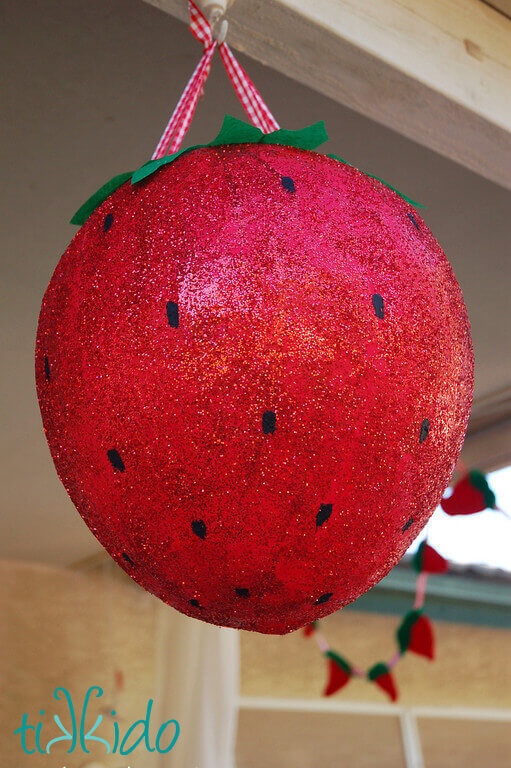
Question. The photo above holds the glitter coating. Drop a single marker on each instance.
(235, 373)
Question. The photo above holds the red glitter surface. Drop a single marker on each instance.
(215, 292)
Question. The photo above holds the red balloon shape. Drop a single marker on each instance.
(254, 391)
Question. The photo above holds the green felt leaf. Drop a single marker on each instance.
(480, 482)
(98, 197)
(405, 628)
(339, 660)
(306, 138)
(377, 670)
(234, 131)
(417, 558)
(148, 168)
(408, 199)
(152, 165)
(340, 159)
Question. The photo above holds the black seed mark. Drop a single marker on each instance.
(269, 422)
(408, 524)
(413, 220)
(128, 558)
(324, 513)
(324, 598)
(195, 603)
(46, 368)
(173, 314)
(288, 183)
(424, 430)
(115, 460)
(199, 528)
(242, 592)
(378, 305)
(109, 220)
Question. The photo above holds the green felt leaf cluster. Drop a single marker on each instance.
(233, 131)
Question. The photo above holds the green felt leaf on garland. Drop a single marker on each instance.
(339, 660)
(382, 676)
(150, 167)
(376, 670)
(417, 558)
(98, 197)
(405, 628)
(479, 481)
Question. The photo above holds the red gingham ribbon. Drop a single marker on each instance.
(253, 104)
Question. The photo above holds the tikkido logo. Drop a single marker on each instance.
(75, 734)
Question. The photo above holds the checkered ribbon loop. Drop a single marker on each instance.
(250, 98)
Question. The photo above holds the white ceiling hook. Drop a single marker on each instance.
(213, 10)
(222, 32)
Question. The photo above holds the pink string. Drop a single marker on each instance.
(420, 590)
(394, 660)
(321, 641)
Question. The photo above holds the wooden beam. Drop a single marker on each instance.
(438, 72)
(504, 6)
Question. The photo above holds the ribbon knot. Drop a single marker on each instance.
(251, 100)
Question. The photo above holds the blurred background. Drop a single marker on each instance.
(416, 93)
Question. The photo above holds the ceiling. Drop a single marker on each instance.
(86, 89)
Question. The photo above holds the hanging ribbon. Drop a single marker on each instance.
(250, 98)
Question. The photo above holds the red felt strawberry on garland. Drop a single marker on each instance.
(428, 560)
(309, 629)
(471, 494)
(381, 675)
(339, 673)
(415, 634)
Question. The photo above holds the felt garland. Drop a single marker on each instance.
(414, 634)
